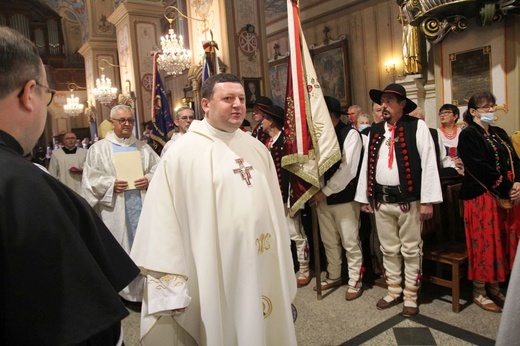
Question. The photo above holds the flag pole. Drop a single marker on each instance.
(316, 246)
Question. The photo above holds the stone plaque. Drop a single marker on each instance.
(470, 73)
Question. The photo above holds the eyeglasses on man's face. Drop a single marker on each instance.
(122, 121)
(185, 117)
(444, 113)
(48, 91)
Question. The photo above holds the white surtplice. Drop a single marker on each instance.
(213, 238)
(61, 163)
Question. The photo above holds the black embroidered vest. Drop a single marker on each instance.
(406, 155)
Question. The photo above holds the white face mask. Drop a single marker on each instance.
(487, 118)
(362, 127)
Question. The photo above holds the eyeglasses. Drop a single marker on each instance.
(122, 121)
(191, 117)
(488, 108)
(443, 113)
(48, 91)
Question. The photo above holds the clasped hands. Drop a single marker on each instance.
(140, 184)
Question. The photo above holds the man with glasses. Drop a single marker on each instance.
(183, 118)
(117, 201)
(67, 162)
(61, 268)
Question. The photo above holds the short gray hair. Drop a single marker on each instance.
(113, 111)
(183, 108)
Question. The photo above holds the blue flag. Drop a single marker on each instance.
(162, 119)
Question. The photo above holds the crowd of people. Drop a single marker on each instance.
(114, 223)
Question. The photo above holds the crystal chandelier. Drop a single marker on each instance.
(73, 108)
(104, 92)
(174, 58)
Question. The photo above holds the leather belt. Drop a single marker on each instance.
(389, 194)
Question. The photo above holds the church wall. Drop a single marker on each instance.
(373, 35)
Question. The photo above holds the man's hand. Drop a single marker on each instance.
(426, 211)
(366, 208)
(120, 186)
(141, 183)
(317, 198)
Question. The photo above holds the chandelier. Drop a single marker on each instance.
(73, 108)
(104, 92)
(174, 58)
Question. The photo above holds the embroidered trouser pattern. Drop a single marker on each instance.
(401, 242)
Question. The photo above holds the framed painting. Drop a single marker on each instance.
(331, 63)
(278, 80)
(253, 89)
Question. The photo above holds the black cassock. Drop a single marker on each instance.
(60, 267)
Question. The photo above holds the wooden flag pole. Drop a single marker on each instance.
(316, 241)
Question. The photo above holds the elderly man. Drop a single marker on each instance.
(66, 163)
(399, 182)
(118, 201)
(183, 118)
(61, 268)
(217, 273)
(353, 113)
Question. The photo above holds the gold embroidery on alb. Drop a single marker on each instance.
(263, 243)
(267, 306)
(164, 281)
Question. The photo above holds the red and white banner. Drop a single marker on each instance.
(311, 146)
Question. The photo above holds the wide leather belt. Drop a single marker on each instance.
(389, 194)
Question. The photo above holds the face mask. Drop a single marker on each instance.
(363, 126)
(487, 118)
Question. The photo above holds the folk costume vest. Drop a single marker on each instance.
(406, 154)
(349, 192)
(277, 149)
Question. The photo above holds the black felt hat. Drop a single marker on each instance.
(397, 89)
(333, 105)
(276, 112)
(263, 102)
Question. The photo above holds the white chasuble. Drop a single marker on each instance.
(214, 223)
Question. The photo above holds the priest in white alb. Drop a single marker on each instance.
(117, 200)
(212, 239)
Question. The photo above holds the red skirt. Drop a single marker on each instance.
(492, 238)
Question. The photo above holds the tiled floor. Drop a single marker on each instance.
(334, 321)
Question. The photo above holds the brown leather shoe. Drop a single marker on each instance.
(382, 304)
(328, 284)
(498, 300)
(409, 311)
(353, 295)
(486, 304)
(303, 280)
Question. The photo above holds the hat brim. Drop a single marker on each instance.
(375, 95)
(274, 116)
